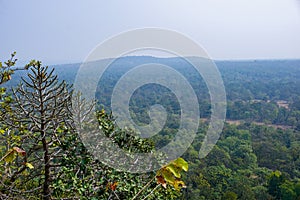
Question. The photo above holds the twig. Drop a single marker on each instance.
(151, 192)
(116, 195)
(139, 192)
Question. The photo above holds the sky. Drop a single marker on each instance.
(66, 31)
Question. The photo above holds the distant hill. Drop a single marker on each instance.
(276, 79)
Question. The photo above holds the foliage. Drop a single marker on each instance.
(6, 70)
(39, 110)
(171, 173)
(44, 156)
(256, 157)
(85, 177)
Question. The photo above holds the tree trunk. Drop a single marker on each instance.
(46, 189)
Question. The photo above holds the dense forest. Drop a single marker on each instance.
(256, 157)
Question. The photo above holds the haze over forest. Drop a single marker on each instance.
(60, 143)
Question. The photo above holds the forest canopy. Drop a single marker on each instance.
(256, 157)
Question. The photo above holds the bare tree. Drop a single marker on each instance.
(41, 106)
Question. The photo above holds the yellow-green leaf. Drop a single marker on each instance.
(170, 173)
(10, 156)
(178, 184)
(168, 176)
(175, 171)
(180, 162)
(30, 166)
(277, 173)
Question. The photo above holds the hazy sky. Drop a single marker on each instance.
(60, 31)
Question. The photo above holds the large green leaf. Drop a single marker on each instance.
(174, 169)
(180, 162)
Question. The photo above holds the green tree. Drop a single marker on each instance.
(287, 190)
(229, 196)
(276, 179)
